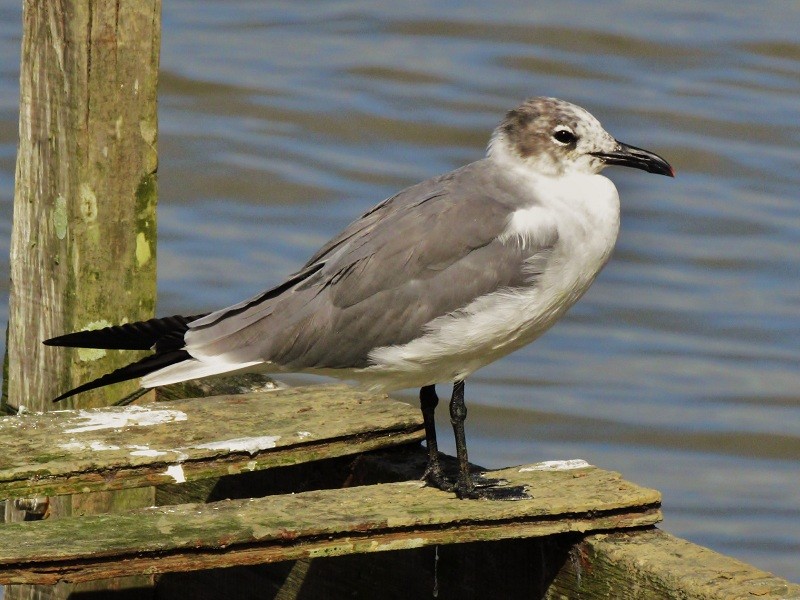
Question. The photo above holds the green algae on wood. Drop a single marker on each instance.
(318, 523)
(73, 451)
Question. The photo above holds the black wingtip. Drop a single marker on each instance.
(136, 369)
(61, 340)
(66, 395)
(142, 335)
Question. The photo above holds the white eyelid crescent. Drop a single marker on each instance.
(559, 129)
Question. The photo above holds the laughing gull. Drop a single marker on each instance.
(427, 287)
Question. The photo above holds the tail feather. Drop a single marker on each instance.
(164, 334)
(139, 368)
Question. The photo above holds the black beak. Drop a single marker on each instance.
(631, 156)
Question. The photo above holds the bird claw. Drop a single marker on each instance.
(480, 481)
(476, 487)
(434, 477)
(516, 492)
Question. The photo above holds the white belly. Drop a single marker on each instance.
(586, 214)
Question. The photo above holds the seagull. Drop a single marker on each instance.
(428, 286)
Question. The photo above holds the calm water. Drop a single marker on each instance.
(282, 121)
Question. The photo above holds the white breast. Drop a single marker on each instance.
(585, 211)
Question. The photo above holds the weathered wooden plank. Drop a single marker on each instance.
(654, 564)
(316, 524)
(219, 488)
(166, 442)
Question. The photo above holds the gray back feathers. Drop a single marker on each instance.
(424, 253)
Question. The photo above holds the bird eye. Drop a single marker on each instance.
(565, 136)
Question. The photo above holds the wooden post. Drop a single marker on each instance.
(84, 232)
(83, 243)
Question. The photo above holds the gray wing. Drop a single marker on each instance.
(424, 253)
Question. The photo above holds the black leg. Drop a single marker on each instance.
(428, 400)
(465, 485)
(465, 488)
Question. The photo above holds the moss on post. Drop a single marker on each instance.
(83, 242)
